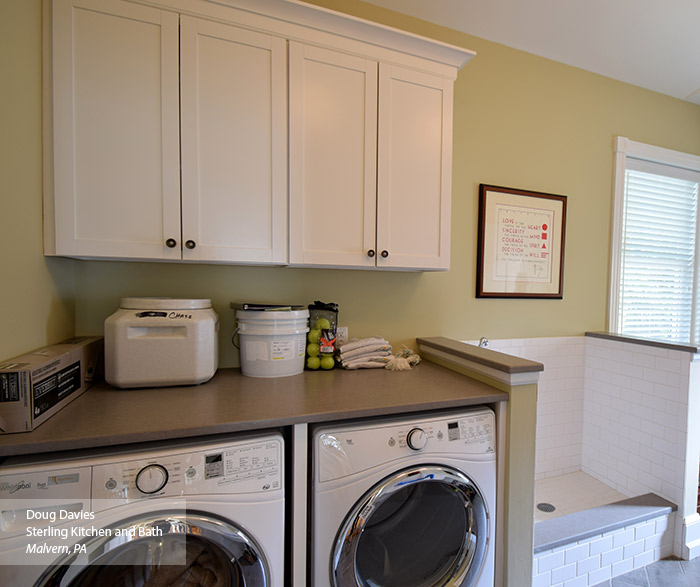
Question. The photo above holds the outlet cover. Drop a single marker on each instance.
(341, 335)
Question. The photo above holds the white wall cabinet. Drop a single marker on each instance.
(169, 136)
(332, 157)
(370, 163)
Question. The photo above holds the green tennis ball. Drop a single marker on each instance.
(327, 362)
(313, 363)
(322, 324)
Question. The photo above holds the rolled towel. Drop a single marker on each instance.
(362, 364)
(378, 358)
(356, 343)
(368, 349)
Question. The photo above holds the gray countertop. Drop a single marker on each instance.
(231, 402)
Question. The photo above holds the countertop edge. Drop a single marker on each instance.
(689, 348)
(254, 405)
(483, 356)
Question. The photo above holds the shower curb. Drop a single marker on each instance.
(550, 534)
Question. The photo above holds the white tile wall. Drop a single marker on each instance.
(560, 399)
(616, 410)
(596, 559)
(634, 421)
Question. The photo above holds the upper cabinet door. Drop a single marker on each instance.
(116, 129)
(234, 143)
(414, 169)
(333, 147)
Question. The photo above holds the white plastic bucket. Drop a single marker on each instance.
(272, 344)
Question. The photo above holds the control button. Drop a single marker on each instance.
(440, 435)
(392, 441)
(417, 439)
(151, 479)
(190, 473)
(111, 484)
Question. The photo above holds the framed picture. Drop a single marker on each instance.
(520, 253)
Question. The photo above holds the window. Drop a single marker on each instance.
(655, 256)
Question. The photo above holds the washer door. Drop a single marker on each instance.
(165, 548)
(423, 526)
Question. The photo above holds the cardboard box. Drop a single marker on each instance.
(33, 387)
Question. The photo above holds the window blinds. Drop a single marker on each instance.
(658, 292)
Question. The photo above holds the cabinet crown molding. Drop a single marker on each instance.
(323, 20)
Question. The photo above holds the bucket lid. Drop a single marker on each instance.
(271, 315)
(164, 304)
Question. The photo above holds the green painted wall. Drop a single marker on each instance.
(520, 121)
(37, 295)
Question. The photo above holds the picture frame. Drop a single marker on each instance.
(520, 249)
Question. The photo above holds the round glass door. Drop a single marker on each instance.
(421, 527)
(173, 549)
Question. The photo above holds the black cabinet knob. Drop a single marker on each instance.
(171, 243)
(190, 244)
(370, 253)
(385, 253)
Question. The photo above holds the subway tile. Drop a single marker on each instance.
(621, 567)
(543, 580)
(623, 538)
(577, 582)
(664, 446)
(561, 574)
(611, 556)
(599, 576)
(576, 553)
(643, 559)
(550, 561)
(655, 376)
(600, 545)
(653, 542)
(633, 549)
(588, 565)
(669, 364)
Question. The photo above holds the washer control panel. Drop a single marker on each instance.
(348, 449)
(221, 469)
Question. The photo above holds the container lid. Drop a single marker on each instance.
(164, 304)
(272, 315)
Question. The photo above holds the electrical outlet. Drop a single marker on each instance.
(341, 335)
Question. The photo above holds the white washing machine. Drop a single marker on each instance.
(405, 502)
(200, 513)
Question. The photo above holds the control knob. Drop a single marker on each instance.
(151, 479)
(416, 439)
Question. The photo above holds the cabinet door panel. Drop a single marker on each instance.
(233, 143)
(332, 157)
(116, 129)
(414, 168)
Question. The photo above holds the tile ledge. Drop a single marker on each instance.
(484, 356)
(690, 348)
(501, 368)
(585, 524)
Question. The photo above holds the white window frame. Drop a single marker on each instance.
(625, 149)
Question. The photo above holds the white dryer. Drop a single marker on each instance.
(197, 513)
(405, 502)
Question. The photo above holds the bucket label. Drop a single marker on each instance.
(283, 350)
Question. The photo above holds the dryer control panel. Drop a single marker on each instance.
(344, 450)
(234, 469)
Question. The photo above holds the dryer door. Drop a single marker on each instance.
(164, 548)
(424, 526)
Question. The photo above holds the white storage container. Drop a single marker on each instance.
(158, 342)
(272, 344)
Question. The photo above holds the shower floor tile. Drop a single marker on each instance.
(571, 493)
